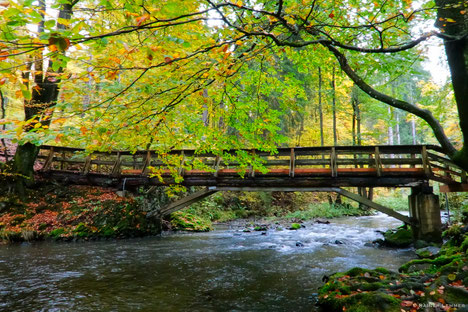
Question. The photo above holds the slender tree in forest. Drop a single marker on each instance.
(335, 134)
(320, 108)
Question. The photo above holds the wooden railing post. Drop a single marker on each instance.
(333, 165)
(61, 162)
(116, 167)
(251, 168)
(216, 166)
(50, 158)
(87, 165)
(181, 170)
(146, 164)
(292, 163)
(378, 162)
(425, 161)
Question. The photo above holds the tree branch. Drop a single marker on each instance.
(424, 114)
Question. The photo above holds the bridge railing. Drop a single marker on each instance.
(334, 161)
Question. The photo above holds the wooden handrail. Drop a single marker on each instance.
(333, 161)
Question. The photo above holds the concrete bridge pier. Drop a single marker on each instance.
(425, 213)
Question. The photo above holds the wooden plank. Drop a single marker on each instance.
(449, 188)
(442, 160)
(369, 203)
(272, 189)
(362, 149)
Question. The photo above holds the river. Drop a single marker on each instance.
(223, 270)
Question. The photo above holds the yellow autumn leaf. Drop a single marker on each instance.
(239, 3)
(59, 120)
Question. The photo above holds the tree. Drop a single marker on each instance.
(207, 56)
(384, 29)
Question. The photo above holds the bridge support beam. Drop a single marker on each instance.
(186, 201)
(338, 190)
(425, 211)
(363, 200)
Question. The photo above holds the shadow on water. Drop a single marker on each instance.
(223, 270)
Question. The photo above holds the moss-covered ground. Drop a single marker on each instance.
(436, 283)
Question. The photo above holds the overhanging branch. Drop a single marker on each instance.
(424, 114)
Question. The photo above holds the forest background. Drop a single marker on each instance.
(219, 75)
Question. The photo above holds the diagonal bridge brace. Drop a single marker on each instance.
(186, 201)
(197, 196)
(338, 190)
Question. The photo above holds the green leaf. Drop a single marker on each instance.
(49, 24)
(27, 94)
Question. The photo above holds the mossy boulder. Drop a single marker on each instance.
(295, 226)
(400, 238)
(427, 252)
(360, 302)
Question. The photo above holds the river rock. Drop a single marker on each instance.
(299, 244)
(295, 226)
(338, 242)
(322, 221)
(400, 238)
(428, 252)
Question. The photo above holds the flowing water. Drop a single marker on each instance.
(223, 270)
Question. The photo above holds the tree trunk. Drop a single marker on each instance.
(390, 127)
(335, 136)
(320, 106)
(397, 128)
(453, 21)
(23, 167)
(413, 131)
(44, 97)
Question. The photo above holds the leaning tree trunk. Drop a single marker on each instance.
(452, 19)
(43, 99)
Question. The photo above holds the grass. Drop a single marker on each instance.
(325, 210)
(395, 203)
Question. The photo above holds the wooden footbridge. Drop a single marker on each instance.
(299, 167)
(317, 169)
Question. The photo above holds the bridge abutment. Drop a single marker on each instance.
(425, 212)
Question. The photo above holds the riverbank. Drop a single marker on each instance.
(437, 281)
(70, 213)
(79, 212)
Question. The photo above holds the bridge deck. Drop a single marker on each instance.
(334, 166)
